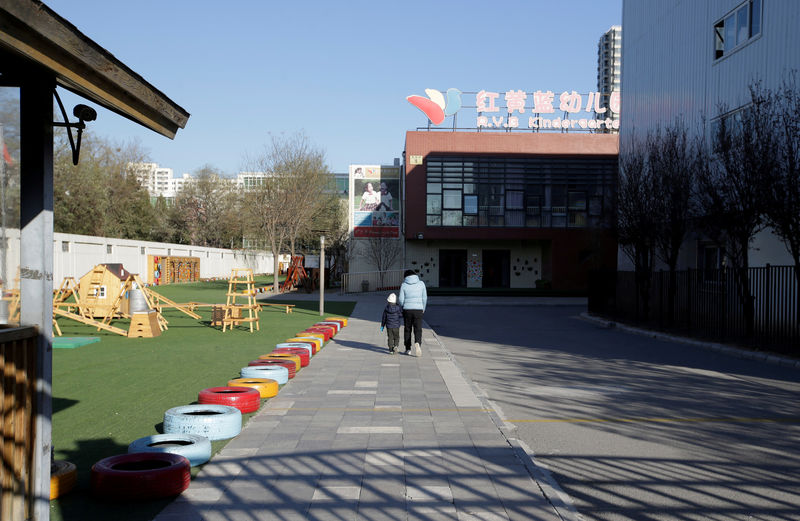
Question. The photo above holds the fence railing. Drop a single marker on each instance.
(367, 281)
(759, 307)
(18, 354)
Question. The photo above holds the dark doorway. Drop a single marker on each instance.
(452, 268)
(496, 268)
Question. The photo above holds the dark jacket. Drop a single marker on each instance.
(392, 316)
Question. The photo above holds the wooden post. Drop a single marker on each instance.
(36, 263)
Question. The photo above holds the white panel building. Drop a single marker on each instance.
(609, 65)
(686, 59)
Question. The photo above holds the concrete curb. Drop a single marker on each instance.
(560, 501)
(712, 346)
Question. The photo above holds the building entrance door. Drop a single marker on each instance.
(452, 268)
(496, 268)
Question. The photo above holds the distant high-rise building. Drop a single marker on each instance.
(609, 67)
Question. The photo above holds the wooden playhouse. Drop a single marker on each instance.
(100, 288)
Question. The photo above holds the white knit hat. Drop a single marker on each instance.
(392, 298)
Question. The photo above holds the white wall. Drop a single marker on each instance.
(83, 252)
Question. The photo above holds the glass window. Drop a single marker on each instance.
(515, 218)
(577, 219)
(434, 204)
(755, 17)
(577, 200)
(434, 220)
(452, 199)
(471, 204)
(434, 188)
(730, 33)
(514, 200)
(451, 218)
(470, 220)
(742, 32)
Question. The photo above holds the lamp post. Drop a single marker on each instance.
(321, 275)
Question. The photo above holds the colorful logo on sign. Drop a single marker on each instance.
(435, 106)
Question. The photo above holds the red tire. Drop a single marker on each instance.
(325, 332)
(305, 358)
(333, 328)
(288, 364)
(243, 398)
(140, 475)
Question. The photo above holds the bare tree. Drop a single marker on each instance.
(731, 188)
(783, 196)
(283, 204)
(204, 210)
(672, 163)
(382, 252)
(636, 216)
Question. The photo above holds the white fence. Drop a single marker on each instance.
(371, 281)
(75, 255)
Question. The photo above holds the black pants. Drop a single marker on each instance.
(412, 320)
(394, 337)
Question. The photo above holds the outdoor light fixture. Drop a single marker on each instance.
(420, 236)
(83, 113)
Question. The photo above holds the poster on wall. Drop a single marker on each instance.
(376, 200)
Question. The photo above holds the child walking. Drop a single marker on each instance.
(391, 320)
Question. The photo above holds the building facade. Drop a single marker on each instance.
(694, 62)
(506, 210)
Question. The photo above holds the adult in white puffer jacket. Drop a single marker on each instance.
(413, 298)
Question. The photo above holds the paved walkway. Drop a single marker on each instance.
(360, 434)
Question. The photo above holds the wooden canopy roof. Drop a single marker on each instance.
(36, 32)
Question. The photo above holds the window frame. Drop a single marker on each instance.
(721, 28)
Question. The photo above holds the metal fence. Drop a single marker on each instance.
(367, 281)
(758, 307)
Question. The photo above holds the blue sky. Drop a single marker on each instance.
(339, 71)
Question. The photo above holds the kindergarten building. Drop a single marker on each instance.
(509, 210)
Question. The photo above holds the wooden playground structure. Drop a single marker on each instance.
(92, 302)
(108, 292)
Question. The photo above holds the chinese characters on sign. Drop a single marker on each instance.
(544, 102)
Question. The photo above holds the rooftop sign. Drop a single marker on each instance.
(578, 111)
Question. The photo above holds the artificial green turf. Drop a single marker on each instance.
(107, 394)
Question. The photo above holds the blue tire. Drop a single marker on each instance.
(197, 449)
(274, 372)
(338, 325)
(215, 422)
(298, 344)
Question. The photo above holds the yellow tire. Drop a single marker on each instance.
(266, 387)
(344, 320)
(293, 358)
(317, 335)
(63, 477)
(314, 340)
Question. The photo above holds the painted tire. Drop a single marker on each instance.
(333, 327)
(246, 400)
(287, 356)
(142, 475)
(342, 321)
(63, 477)
(326, 331)
(337, 325)
(302, 343)
(194, 448)
(313, 334)
(312, 339)
(273, 372)
(297, 345)
(305, 359)
(275, 360)
(215, 422)
(266, 387)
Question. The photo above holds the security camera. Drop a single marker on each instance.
(84, 113)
